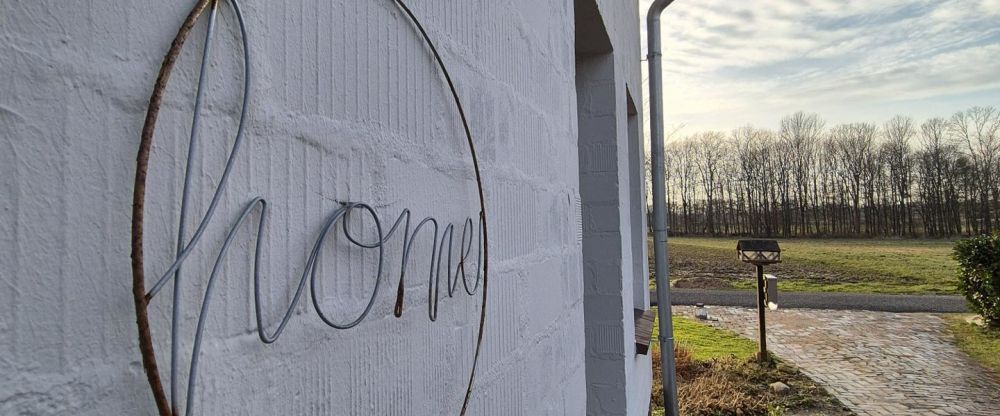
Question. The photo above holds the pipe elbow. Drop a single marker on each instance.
(656, 8)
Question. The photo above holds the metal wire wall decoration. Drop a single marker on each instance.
(473, 231)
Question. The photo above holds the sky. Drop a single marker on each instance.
(731, 63)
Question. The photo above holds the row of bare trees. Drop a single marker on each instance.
(939, 178)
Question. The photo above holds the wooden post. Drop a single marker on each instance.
(761, 306)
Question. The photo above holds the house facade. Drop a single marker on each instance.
(376, 207)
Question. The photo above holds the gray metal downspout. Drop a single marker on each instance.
(660, 206)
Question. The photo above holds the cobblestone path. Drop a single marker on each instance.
(876, 363)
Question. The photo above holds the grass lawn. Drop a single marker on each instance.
(981, 344)
(707, 342)
(826, 265)
(718, 375)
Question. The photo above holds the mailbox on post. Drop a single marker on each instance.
(760, 253)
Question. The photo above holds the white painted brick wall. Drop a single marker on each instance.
(346, 106)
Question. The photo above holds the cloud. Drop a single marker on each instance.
(729, 63)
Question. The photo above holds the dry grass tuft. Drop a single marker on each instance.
(709, 388)
(732, 386)
(718, 392)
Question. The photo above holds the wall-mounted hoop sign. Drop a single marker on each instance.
(443, 236)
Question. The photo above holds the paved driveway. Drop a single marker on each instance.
(818, 300)
(876, 363)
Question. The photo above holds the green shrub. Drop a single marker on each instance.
(979, 275)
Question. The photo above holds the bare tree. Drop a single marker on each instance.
(898, 156)
(708, 157)
(855, 150)
(800, 133)
(752, 160)
(686, 176)
(936, 171)
(977, 129)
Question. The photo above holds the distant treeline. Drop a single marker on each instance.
(937, 179)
